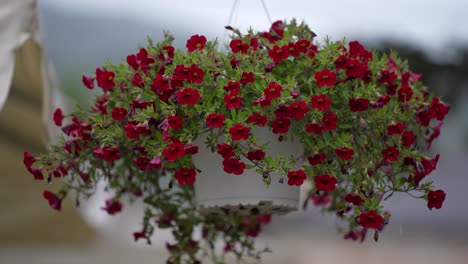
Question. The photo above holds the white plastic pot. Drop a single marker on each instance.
(219, 192)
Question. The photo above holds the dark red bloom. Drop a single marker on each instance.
(341, 62)
(329, 122)
(196, 74)
(381, 101)
(257, 119)
(435, 134)
(313, 128)
(257, 154)
(358, 104)
(88, 82)
(233, 166)
(175, 122)
(112, 207)
(141, 163)
(254, 44)
(215, 120)
(37, 174)
(423, 117)
(182, 72)
(196, 42)
(137, 81)
(354, 199)
(54, 201)
(105, 79)
(232, 86)
(232, 100)
(191, 150)
(280, 125)
(119, 113)
(408, 138)
(28, 160)
(320, 102)
(247, 77)
(396, 129)
(239, 132)
(234, 62)
(237, 46)
(429, 164)
(174, 151)
(317, 159)
(390, 154)
(282, 111)
(387, 77)
(292, 50)
(154, 164)
(371, 219)
(435, 199)
(279, 53)
(273, 91)
(296, 177)
(108, 154)
(405, 94)
(356, 69)
(264, 219)
(320, 200)
(437, 109)
(325, 182)
(356, 50)
(188, 96)
(225, 150)
(297, 110)
(58, 117)
(325, 78)
(302, 45)
(344, 153)
(262, 101)
(185, 176)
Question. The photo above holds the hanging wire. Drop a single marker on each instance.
(266, 12)
(234, 7)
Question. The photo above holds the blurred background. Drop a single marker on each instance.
(79, 36)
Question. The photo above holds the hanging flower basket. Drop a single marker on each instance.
(237, 133)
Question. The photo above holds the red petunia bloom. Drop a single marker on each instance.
(280, 125)
(215, 120)
(239, 132)
(225, 150)
(429, 164)
(257, 119)
(185, 176)
(254, 44)
(257, 154)
(358, 104)
(88, 82)
(28, 160)
(356, 50)
(175, 122)
(174, 151)
(282, 111)
(196, 74)
(371, 219)
(296, 177)
(234, 62)
(317, 159)
(188, 96)
(344, 153)
(279, 53)
(262, 101)
(387, 77)
(325, 182)
(354, 199)
(329, 122)
(435, 199)
(191, 150)
(196, 42)
(119, 113)
(320, 102)
(37, 174)
(396, 129)
(108, 154)
(423, 117)
(313, 128)
(232, 101)
(292, 50)
(405, 94)
(105, 79)
(437, 109)
(302, 45)
(112, 207)
(325, 78)
(58, 117)
(247, 77)
(356, 69)
(382, 101)
(273, 91)
(390, 154)
(137, 81)
(233, 166)
(341, 62)
(237, 46)
(297, 110)
(408, 138)
(141, 163)
(54, 201)
(232, 86)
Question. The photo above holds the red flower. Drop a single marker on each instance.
(317, 159)
(232, 86)
(273, 91)
(237, 46)
(185, 176)
(58, 117)
(257, 154)
(329, 122)
(371, 219)
(356, 50)
(280, 125)
(119, 113)
(381, 101)
(196, 42)
(191, 150)
(28, 160)
(264, 219)
(105, 79)
(232, 101)
(437, 109)
(141, 163)
(188, 96)
(302, 45)
(257, 119)
(137, 81)
(234, 62)
(239, 132)
(279, 53)
(341, 62)
(395, 129)
(325, 78)
(429, 164)
(88, 82)
(354, 199)
(292, 50)
(225, 150)
(154, 164)
(320, 200)
(408, 138)
(313, 128)
(215, 120)
(358, 104)
(356, 69)
(174, 151)
(320, 102)
(390, 154)
(296, 177)
(297, 110)
(196, 74)
(435, 199)
(247, 77)
(405, 94)
(233, 166)
(423, 117)
(344, 153)
(108, 154)
(54, 201)
(281, 111)
(175, 122)
(112, 207)
(262, 101)
(325, 182)
(37, 174)
(387, 77)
